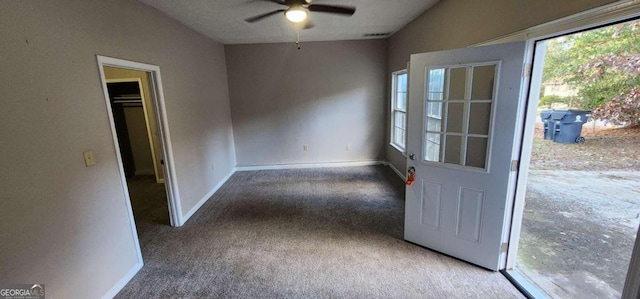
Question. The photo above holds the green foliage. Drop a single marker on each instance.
(623, 108)
(573, 59)
(550, 99)
(595, 94)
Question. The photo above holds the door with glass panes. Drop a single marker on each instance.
(463, 107)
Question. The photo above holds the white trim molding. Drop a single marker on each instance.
(398, 172)
(394, 109)
(165, 141)
(525, 139)
(157, 97)
(206, 197)
(123, 281)
(611, 13)
(309, 165)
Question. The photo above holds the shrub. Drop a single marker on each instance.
(621, 110)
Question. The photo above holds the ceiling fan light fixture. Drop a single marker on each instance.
(296, 13)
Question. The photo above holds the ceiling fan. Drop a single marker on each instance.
(297, 11)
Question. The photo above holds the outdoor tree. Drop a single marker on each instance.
(602, 65)
(625, 107)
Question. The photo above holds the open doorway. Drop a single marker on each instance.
(135, 104)
(581, 210)
(135, 126)
(139, 148)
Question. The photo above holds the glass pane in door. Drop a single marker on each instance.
(483, 80)
(458, 107)
(476, 152)
(455, 117)
(479, 118)
(457, 83)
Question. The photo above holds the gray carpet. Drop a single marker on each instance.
(304, 233)
(149, 204)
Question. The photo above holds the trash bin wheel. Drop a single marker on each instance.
(580, 139)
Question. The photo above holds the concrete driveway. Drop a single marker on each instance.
(578, 231)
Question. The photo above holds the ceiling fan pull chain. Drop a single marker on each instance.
(298, 39)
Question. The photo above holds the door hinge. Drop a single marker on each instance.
(515, 164)
(527, 70)
(504, 247)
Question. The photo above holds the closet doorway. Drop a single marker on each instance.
(135, 103)
(136, 130)
(135, 125)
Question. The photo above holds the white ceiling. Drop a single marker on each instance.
(223, 20)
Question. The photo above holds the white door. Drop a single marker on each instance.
(463, 108)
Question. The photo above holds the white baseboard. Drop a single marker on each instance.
(309, 165)
(123, 281)
(400, 174)
(204, 199)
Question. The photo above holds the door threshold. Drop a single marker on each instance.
(524, 285)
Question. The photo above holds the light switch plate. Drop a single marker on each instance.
(89, 160)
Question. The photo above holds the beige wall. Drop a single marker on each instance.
(64, 224)
(327, 95)
(120, 73)
(454, 24)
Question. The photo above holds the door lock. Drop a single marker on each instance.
(412, 156)
(412, 176)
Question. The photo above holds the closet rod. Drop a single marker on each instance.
(126, 101)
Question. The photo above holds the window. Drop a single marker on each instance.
(459, 101)
(399, 110)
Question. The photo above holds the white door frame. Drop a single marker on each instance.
(616, 12)
(601, 16)
(145, 110)
(157, 97)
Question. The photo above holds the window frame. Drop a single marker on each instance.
(394, 98)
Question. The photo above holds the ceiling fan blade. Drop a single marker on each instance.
(264, 15)
(343, 10)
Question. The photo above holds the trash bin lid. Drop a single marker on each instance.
(576, 111)
(544, 114)
(560, 114)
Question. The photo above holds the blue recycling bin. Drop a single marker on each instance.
(545, 115)
(564, 126)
